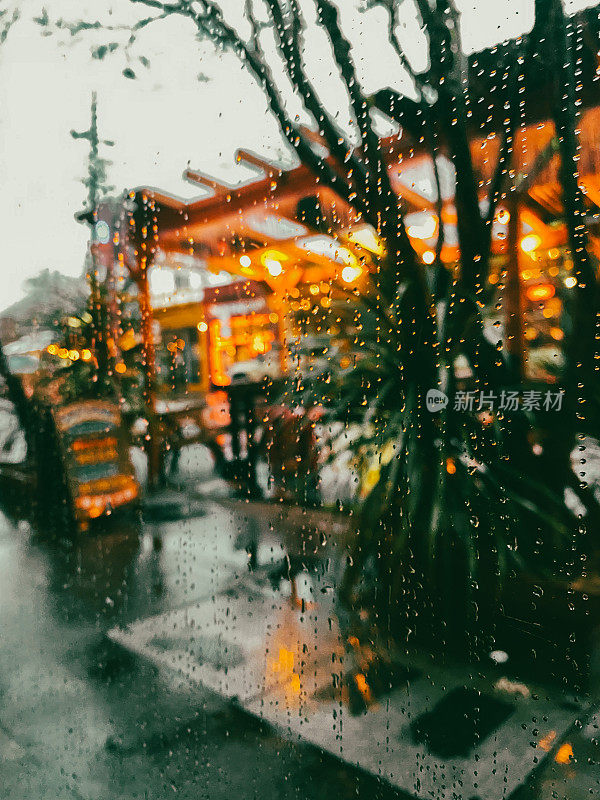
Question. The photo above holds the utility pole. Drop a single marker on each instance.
(95, 182)
(139, 231)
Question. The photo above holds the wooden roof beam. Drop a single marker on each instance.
(591, 189)
(193, 176)
(247, 157)
(313, 136)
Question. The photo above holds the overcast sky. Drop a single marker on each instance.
(191, 106)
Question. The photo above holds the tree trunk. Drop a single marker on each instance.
(514, 311)
(154, 442)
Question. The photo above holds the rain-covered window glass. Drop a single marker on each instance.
(300, 399)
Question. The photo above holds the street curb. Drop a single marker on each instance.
(294, 513)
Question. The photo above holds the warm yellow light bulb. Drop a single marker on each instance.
(351, 274)
(530, 243)
(274, 267)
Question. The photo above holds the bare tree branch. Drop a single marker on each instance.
(502, 165)
(211, 23)
(399, 50)
(6, 22)
(253, 26)
(439, 203)
(581, 348)
(290, 43)
(169, 8)
(329, 18)
(381, 200)
(430, 135)
(446, 76)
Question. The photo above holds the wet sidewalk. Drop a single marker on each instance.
(293, 667)
(82, 718)
(145, 662)
(284, 660)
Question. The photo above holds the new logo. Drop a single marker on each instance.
(435, 400)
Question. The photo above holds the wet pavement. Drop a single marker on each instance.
(83, 717)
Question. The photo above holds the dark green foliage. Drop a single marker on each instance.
(460, 499)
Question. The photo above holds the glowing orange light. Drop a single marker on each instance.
(530, 243)
(215, 355)
(351, 274)
(564, 754)
(285, 662)
(258, 343)
(366, 237)
(63, 352)
(120, 367)
(429, 256)
(540, 291)
(86, 355)
(90, 444)
(202, 327)
(362, 686)
(98, 456)
(557, 334)
(272, 261)
(73, 355)
(274, 267)
(52, 349)
(450, 466)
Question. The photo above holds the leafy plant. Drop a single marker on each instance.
(458, 499)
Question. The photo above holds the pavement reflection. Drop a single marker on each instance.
(82, 716)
